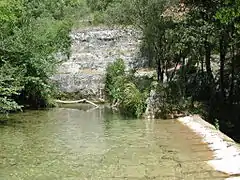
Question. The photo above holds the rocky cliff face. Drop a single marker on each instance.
(91, 51)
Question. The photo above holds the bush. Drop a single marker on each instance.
(10, 85)
(115, 79)
(133, 102)
(122, 92)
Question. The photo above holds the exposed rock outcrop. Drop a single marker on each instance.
(91, 51)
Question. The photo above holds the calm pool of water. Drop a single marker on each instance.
(75, 143)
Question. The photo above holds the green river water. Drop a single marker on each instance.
(77, 143)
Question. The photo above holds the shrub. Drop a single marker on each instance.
(115, 79)
(133, 102)
(122, 92)
(10, 85)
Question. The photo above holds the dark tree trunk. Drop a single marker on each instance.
(232, 76)
(184, 78)
(175, 68)
(233, 59)
(202, 69)
(222, 64)
(210, 78)
(208, 61)
(159, 69)
(159, 63)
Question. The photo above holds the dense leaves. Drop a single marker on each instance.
(122, 91)
(10, 84)
(201, 37)
(34, 37)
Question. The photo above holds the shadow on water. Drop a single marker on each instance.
(19, 119)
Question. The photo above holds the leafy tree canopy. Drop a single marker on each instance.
(32, 35)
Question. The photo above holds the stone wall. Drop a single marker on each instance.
(92, 49)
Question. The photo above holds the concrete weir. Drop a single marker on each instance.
(226, 151)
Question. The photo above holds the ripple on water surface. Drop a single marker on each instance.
(75, 144)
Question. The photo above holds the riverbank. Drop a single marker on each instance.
(226, 151)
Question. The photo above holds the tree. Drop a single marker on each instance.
(32, 33)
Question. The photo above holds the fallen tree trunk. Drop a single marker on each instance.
(77, 101)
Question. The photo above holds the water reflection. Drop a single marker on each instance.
(77, 142)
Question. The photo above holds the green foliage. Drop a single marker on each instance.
(10, 85)
(229, 14)
(122, 92)
(170, 99)
(115, 79)
(133, 101)
(32, 35)
(203, 37)
(98, 5)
